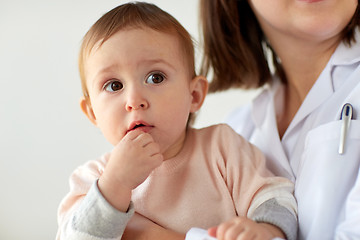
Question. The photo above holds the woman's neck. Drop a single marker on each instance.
(303, 62)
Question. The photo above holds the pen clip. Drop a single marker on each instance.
(346, 116)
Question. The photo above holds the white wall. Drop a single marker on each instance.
(43, 134)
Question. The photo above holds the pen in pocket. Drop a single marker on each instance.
(346, 116)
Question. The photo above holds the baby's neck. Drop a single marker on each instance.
(176, 147)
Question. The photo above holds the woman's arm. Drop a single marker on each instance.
(141, 228)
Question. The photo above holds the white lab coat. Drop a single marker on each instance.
(327, 184)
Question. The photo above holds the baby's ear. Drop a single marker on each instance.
(199, 88)
(85, 106)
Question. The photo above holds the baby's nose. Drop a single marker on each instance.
(136, 104)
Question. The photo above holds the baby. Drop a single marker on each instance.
(140, 89)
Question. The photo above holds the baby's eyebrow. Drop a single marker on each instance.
(161, 61)
(105, 69)
(100, 72)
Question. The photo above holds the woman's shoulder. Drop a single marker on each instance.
(240, 120)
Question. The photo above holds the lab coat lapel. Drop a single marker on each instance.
(319, 93)
(263, 137)
(324, 101)
(325, 86)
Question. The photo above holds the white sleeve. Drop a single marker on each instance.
(240, 120)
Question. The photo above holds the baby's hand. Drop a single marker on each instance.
(134, 158)
(130, 163)
(242, 228)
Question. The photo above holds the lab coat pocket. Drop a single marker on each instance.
(325, 177)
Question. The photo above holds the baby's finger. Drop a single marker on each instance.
(235, 232)
(143, 139)
(139, 138)
(151, 148)
(212, 231)
(157, 159)
(132, 135)
(245, 235)
(222, 229)
(155, 156)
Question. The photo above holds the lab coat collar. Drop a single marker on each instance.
(324, 86)
(319, 93)
(267, 104)
(344, 55)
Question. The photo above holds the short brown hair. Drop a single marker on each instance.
(234, 45)
(134, 15)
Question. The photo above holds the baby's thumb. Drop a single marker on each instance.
(212, 231)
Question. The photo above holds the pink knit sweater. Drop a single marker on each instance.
(216, 176)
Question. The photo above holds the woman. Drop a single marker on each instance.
(314, 47)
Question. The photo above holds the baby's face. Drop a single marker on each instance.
(138, 79)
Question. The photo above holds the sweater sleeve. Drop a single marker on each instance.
(85, 214)
(274, 203)
(257, 193)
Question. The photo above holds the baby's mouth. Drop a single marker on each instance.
(140, 126)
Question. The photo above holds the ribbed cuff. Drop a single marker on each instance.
(99, 218)
(273, 213)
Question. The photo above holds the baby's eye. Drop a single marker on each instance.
(155, 78)
(113, 86)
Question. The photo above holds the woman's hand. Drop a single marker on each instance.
(141, 228)
(242, 228)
